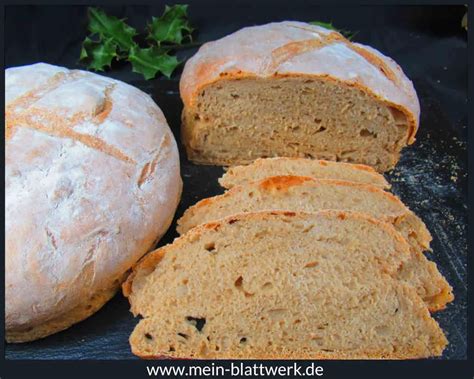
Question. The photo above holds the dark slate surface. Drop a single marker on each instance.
(431, 177)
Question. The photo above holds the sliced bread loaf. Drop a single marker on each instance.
(281, 285)
(291, 89)
(319, 169)
(296, 193)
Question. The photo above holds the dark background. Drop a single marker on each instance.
(431, 178)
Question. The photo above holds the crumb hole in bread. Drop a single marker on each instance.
(197, 322)
(172, 348)
(321, 129)
(148, 336)
(267, 285)
(210, 246)
(185, 336)
(232, 221)
(234, 96)
(308, 229)
(243, 340)
(367, 133)
(311, 264)
(297, 321)
(238, 282)
(398, 116)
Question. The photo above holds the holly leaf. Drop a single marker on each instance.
(173, 25)
(328, 25)
(110, 27)
(98, 54)
(152, 60)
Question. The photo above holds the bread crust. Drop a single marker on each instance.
(92, 181)
(65, 320)
(292, 48)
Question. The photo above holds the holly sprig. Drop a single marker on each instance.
(328, 25)
(112, 39)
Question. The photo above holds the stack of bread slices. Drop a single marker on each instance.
(297, 259)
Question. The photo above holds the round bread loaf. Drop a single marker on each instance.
(92, 182)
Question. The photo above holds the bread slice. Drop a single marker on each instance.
(296, 193)
(281, 285)
(319, 169)
(309, 194)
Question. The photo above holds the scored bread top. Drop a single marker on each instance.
(297, 48)
(92, 180)
(318, 169)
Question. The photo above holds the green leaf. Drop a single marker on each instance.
(98, 54)
(173, 25)
(111, 27)
(152, 60)
(328, 25)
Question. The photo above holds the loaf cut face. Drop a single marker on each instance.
(296, 193)
(318, 169)
(295, 90)
(281, 285)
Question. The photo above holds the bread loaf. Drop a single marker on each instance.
(296, 90)
(281, 285)
(318, 169)
(92, 182)
(295, 193)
